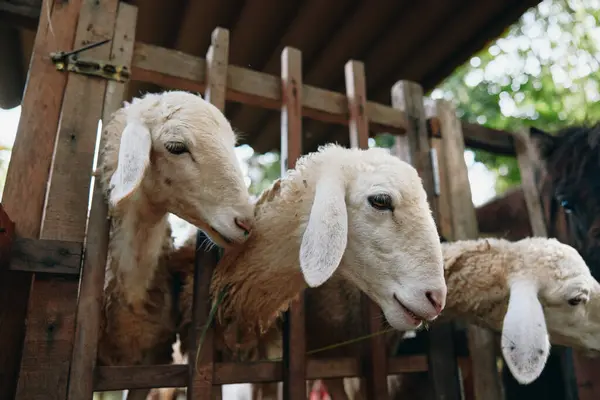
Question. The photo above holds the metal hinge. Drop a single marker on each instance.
(436, 171)
(70, 61)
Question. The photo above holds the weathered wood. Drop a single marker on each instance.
(89, 306)
(217, 60)
(443, 369)
(30, 162)
(200, 368)
(147, 376)
(176, 69)
(464, 226)
(356, 91)
(7, 231)
(294, 328)
(46, 357)
(373, 360)
(171, 68)
(46, 256)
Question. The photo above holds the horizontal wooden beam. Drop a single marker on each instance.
(20, 14)
(46, 256)
(140, 377)
(173, 69)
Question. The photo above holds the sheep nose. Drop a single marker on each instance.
(244, 225)
(436, 298)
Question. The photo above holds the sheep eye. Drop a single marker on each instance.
(575, 301)
(381, 202)
(176, 147)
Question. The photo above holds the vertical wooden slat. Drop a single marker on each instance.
(202, 375)
(52, 306)
(482, 348)
(30, 162)
(83, 362)
(294, 343)
(374, 358)
(443, 368)
(201, 366)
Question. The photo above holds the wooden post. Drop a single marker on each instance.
(201, 376)
(52, 306)
(482, 349)
(374, 357)
(294, 328)
(30, 162)
(89, 307)
(443, 368)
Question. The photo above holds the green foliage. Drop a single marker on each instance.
(544, 71)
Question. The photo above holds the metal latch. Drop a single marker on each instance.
(70, 61)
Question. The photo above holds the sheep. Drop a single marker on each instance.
(533, 291)
(164, 153)
(340, 210)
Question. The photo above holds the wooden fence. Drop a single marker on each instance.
(48, 186)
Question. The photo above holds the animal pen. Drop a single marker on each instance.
(62, 261)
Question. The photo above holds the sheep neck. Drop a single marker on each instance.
(139, 230)
(479, 269)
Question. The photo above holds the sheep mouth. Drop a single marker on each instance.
(221, 236)
(416, 318)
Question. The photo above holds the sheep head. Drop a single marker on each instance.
(371, 217)
(175, 151)
(553, 296)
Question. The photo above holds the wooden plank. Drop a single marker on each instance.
(89, 306)
(30, 162)
(49, 338)
(148, 376)
(294, 328)
(373, 359)
(443, 368)
(216, 68)
(179, 70)
(354, 72)
(171, 68)
(46, 256)
(7, 231)
(482, 348)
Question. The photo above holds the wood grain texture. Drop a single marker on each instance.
(89, 305)
(294, 326)
(443, 368)
(30, 162)
(46, 256)
(482, 348)
(148, 376)
(49, 338)
(356, 91)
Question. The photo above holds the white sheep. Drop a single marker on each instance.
(360, 213)
(164, 153)
(534, 291)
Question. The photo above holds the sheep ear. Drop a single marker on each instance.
(525, 343)
(326, 234)
(134, 158)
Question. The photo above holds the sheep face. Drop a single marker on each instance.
(562, 300)
(180, 149)
(370, 212)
